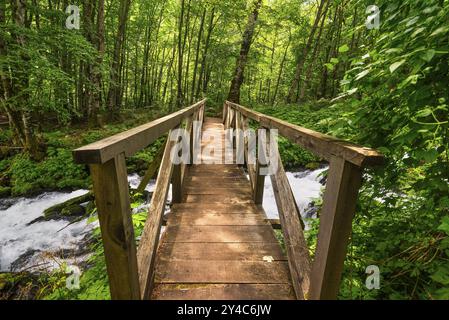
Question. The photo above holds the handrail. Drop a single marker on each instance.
(130, 269)
(346, 161)
(132, 140)
(323, 145)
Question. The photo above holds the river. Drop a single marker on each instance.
(46, 245)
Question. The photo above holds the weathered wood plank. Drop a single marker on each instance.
(336, 216)
(259, 185)
(146, 252)
(217, 170)
(217, 180)
(211, 198)
(217, 208)
(250, 165)
(114, 213)
(199, 291)
(235, 191)
(177, 178)
(220, 234)
(216, 219)
(318, 143)
(220, 251)
(133, 140)
(295, 243)
(224, 271)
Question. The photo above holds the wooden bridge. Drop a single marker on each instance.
(218, 243)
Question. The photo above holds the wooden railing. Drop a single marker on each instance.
(319, 279)
(131, 269)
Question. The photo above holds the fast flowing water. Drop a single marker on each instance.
(39, 243)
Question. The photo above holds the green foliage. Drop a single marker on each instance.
(57, 171)
(311, 116)
(398, 103)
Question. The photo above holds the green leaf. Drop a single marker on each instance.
(343, 48)
(428, 55)
(334, 61)
(329, 66)
(362, 74)
(430, 155)
(413, 79)
(444, 226)
(396, 65)
(424, 113)
(439, 31)
(444, 203)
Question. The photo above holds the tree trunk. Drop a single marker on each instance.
(96, 71)
(115, 85)
(281, 69)
(197, 53)
(291, 97)
(180, 54)
(314, 55)
(234, 92)
(15, 99)
(205, 51)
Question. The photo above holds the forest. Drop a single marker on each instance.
(373, 72)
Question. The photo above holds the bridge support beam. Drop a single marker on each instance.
(110, 184)
(339, 204)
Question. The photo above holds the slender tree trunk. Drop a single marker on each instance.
(337, 44)
(15, 99)
(205, 52)
(234, 92)
(115, 85)
(281, 69)
(179, 97)
(291, 97)
(96, 76)
(314, 55)
(197, 53)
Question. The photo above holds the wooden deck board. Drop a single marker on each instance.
(201, 291)
(186, 233)
(218, 243)
(221, 251)
(217, 208)
(228, 271)
(216, 219)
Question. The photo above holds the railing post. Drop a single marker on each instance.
(110, 186)
(201, 116)
(339, 204)
(225, 112)
(259, 182)
(176, 182)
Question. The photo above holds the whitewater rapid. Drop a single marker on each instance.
(41, 241)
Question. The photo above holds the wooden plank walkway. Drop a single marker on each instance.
(218, 244)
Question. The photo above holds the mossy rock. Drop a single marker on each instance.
(70, 208)
(313, 165)
(73, 210)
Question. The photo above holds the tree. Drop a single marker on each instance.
(237, 80)
(293, 91)
(115, 85)
(15, 81)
